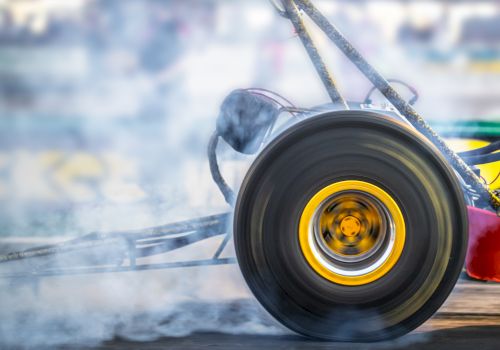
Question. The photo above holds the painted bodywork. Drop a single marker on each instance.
(483, 253)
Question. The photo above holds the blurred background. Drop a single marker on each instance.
(106, 106)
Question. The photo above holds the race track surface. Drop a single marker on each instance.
(470, 319)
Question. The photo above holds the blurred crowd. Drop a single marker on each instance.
(55, 45)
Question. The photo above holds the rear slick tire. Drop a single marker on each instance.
(344, 158)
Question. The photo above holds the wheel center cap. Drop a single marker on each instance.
(350, 226)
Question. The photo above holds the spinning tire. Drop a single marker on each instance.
(350, 226)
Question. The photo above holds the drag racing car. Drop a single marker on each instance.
(353, 221)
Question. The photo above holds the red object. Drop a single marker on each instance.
(483, 252)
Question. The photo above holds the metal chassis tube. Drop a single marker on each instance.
(163, 239)
(292, 12)
(87, 270)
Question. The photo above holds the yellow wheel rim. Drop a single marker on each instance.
(352, 232)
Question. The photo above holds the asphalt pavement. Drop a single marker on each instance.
(470, 319)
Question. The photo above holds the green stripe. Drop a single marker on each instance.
(468, 128)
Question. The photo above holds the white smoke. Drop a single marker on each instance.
(128, 151)
(137, 306)
(139, 133)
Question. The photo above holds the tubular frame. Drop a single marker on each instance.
(292, 9)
